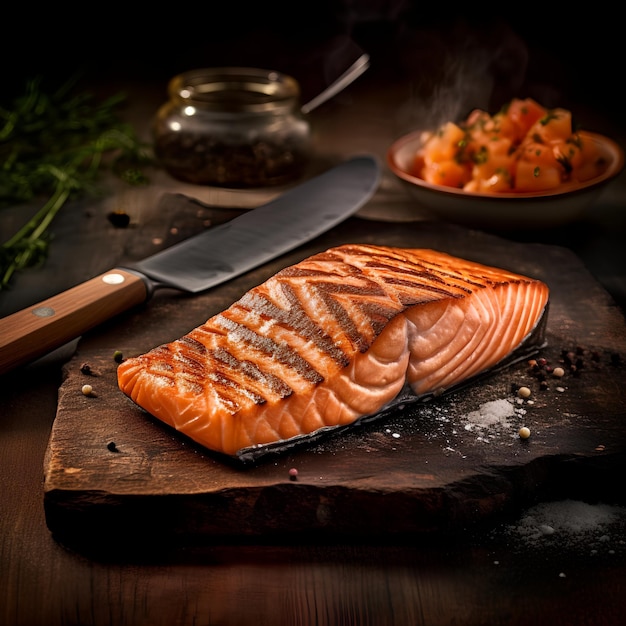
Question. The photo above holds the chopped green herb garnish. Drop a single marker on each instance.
(548, 118)
(54, 146)
(565, 163)
(575, 140)
(481, 155)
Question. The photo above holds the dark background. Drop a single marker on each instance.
(558, 54)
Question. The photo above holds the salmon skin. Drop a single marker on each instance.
(338, 338)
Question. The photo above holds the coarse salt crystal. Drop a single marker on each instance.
(494, 413)
(567, 520)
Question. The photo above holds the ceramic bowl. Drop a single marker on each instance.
(504, 210)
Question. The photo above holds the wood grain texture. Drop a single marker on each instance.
(421, 469)
(36, 330)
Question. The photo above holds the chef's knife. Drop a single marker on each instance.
(196, 264)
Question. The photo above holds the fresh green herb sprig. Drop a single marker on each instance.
(54, 147)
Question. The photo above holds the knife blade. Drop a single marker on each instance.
(195, 264)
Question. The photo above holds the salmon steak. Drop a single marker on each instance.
(339, 337)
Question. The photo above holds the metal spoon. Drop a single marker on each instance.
(349, 76)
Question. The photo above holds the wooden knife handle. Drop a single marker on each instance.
(36, 330)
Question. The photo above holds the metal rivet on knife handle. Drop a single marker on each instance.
(36, 330)
(43, 311)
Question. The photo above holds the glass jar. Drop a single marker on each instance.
(232, 127)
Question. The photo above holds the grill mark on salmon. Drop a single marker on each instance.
(280, 352)
(253, 374)
(338, 337)
(296, 319)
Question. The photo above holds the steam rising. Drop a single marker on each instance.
(464, 69)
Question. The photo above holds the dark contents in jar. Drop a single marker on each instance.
(202, 160)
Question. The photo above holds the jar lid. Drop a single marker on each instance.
(235, 89)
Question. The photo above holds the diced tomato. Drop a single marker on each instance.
(537, 168)
(472, 185)
(534, 177)
(524, 113)
(555, 126)
(569, 155)
(477, 119)
(497, 155)
(537, 152)
(500, 181)
(505, 127)
(590, 162)
(418, 165)
(447, 173)
(523, 147)
(444, 144)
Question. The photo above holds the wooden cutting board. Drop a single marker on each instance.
(113, 474)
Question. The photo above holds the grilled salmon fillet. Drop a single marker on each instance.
(332, 339)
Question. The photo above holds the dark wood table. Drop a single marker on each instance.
(493, 572)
